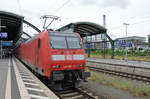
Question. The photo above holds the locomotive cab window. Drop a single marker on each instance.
(58, 42)
(65, 41)
(73, 43)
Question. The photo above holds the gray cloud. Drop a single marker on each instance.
(118, 3)
(88, 2)
(76, 3)
(105, 3)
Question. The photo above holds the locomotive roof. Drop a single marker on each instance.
(84, 28)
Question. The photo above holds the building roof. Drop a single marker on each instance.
(131, 37)
(84, 28)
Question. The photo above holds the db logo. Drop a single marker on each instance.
(68, 52)
(68, 57)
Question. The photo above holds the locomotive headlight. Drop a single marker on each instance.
(56, 67)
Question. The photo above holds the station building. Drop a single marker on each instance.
(135, 42)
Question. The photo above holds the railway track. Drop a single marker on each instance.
(121, 74)
(119, 65)
(76, 93)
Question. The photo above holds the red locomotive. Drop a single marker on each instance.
(56, 56)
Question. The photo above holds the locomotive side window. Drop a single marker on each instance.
(39, 43)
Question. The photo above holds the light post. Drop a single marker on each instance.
(87, 44)
(126, 24)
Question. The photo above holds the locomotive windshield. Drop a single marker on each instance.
(65, 40)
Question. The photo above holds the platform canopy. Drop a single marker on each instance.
(84, 28)
(10, 26)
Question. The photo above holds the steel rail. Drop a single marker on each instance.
(121, 74)
(120, 65)
(76, 93)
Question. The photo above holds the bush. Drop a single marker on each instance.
(121, 52)
(97, 52)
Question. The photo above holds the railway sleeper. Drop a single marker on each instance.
(66, 91)
(74, 97)
(69, 94)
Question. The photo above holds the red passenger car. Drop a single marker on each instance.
(57, 56)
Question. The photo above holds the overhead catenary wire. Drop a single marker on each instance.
(131, 18)
(143, 21)
(58, 9)
(61, 6)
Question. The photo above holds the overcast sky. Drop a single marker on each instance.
(134, 12)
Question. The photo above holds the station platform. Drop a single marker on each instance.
(120, 62)
(17, 82)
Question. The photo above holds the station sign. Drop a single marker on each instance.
(88, 46)
(126, 44)
(129, 44)
(7, 43)
(122, 42)
(3, 35)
